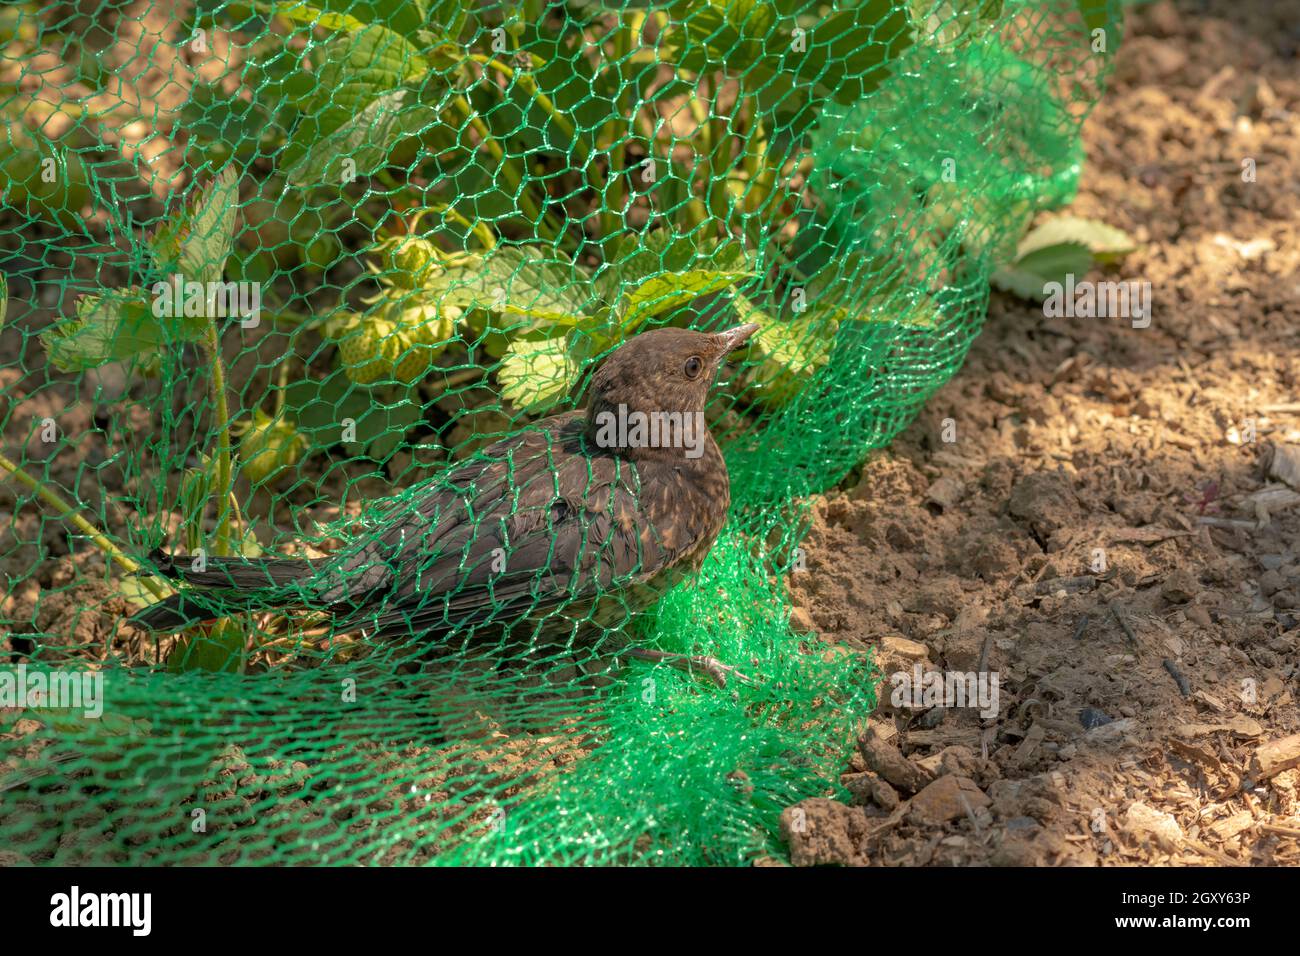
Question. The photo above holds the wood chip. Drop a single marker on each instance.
(1239, 726)
(1144, 535)
(1232, 826)
(1025, 752)
(1274, 756)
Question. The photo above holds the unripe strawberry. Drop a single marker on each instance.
(269, 447)
(406, 261)
(397, 341)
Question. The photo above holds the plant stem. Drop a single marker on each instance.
(68, 513)
(511, 175)
(696, 209)
(529, 86)
(225, 475)
(718, 159)
(478, 227)
(614, 134)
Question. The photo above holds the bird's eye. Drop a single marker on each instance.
(694, 365)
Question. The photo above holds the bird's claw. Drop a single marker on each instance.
(717, 671)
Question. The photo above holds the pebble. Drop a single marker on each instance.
(1091, 717)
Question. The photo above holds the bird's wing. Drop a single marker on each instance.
(535, 525)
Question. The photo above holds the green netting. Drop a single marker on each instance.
(448, 213)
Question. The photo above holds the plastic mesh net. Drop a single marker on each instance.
(276, 272)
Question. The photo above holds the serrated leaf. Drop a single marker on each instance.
(310, 15)
(197, 242)
(525, 281)
(116, 326)
(535, 374)
(920, 313)
(637, 258)
(1028, 275)
(28, 189)
(845, 53)
(359, 67)
(786, 353)
(670, 290)
(216, 647)
(1105, 242)
(321, 409)
(366, 139)
(407, 17)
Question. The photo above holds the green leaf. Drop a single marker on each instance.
(785, 354)
(638, 258)
(951, 22)
(312, 15)
(1096, 14)
(25, 159)
(1028, 275)
(535, 374)
(217, 647)
(134, 590)
(366, 139)
(844, 55)
(357, 69)
(1106, 243)
(322, 410)
(531, 282)
(114, 327)
(920, 313)
(407, 17)
(670, 290)
(197, 242)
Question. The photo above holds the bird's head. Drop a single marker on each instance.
(663, 372)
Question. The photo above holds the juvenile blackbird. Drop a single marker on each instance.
(555, 535)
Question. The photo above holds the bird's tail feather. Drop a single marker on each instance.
(258, 573)
(237, 584)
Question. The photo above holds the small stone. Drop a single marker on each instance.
(1180, 587)
(944, 493)
(932, 718)
(895, 648)
(1143, 822)
(1288, 599)
(1270, 582)
(801, 620)
(822, 832)
(1091, 717)
(869, 788)
(1198, 615)
(1285, 464)
(949, 798)
(888, 761)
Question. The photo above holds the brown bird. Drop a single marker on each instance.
(556, 535)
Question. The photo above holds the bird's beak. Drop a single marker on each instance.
(732, 339)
